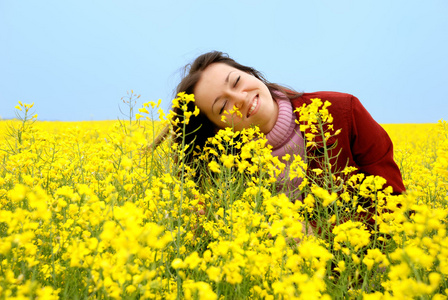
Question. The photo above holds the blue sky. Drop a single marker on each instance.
(76, 59)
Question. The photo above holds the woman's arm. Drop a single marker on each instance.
(372, 148)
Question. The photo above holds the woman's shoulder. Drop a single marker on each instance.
(343, 106)
(327, 95)
(338, 100)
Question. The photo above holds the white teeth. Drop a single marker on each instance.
(252, 108)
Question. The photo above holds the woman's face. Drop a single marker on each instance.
(222, 87)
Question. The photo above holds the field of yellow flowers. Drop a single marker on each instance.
(87, 210)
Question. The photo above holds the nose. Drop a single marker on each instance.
(239, 99)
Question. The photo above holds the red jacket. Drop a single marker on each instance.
(362, 143)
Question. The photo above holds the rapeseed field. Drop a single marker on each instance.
(91, 210)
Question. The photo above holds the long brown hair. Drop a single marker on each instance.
(200, 128)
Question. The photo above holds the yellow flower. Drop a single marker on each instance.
(227, 160)
(341, 266)
(355, 259)
(192, 260)
(286, 157)
(143, 110)
(309, 200)
(214, 167)
(375, 256)
(177, 263)
(214, 273)
(317, 171)
(354, 234)
(324, 195)
(18, 193)
(126, 163)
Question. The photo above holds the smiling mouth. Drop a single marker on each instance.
(254, 105)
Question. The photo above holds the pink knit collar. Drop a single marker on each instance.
(286, 138)
(285, 124)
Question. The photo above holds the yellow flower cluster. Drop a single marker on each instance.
(87, 212)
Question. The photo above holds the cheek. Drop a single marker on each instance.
(231, 120)
(218, 124)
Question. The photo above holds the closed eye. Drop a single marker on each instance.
(236, 82)
(223, 106)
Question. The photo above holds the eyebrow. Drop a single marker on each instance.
(225, 81)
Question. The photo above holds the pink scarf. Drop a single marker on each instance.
(285, 138)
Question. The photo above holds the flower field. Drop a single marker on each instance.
(88, 210)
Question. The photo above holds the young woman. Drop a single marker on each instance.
(219, 84)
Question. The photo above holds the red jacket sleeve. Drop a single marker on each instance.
(362, 143)
(371, 147)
